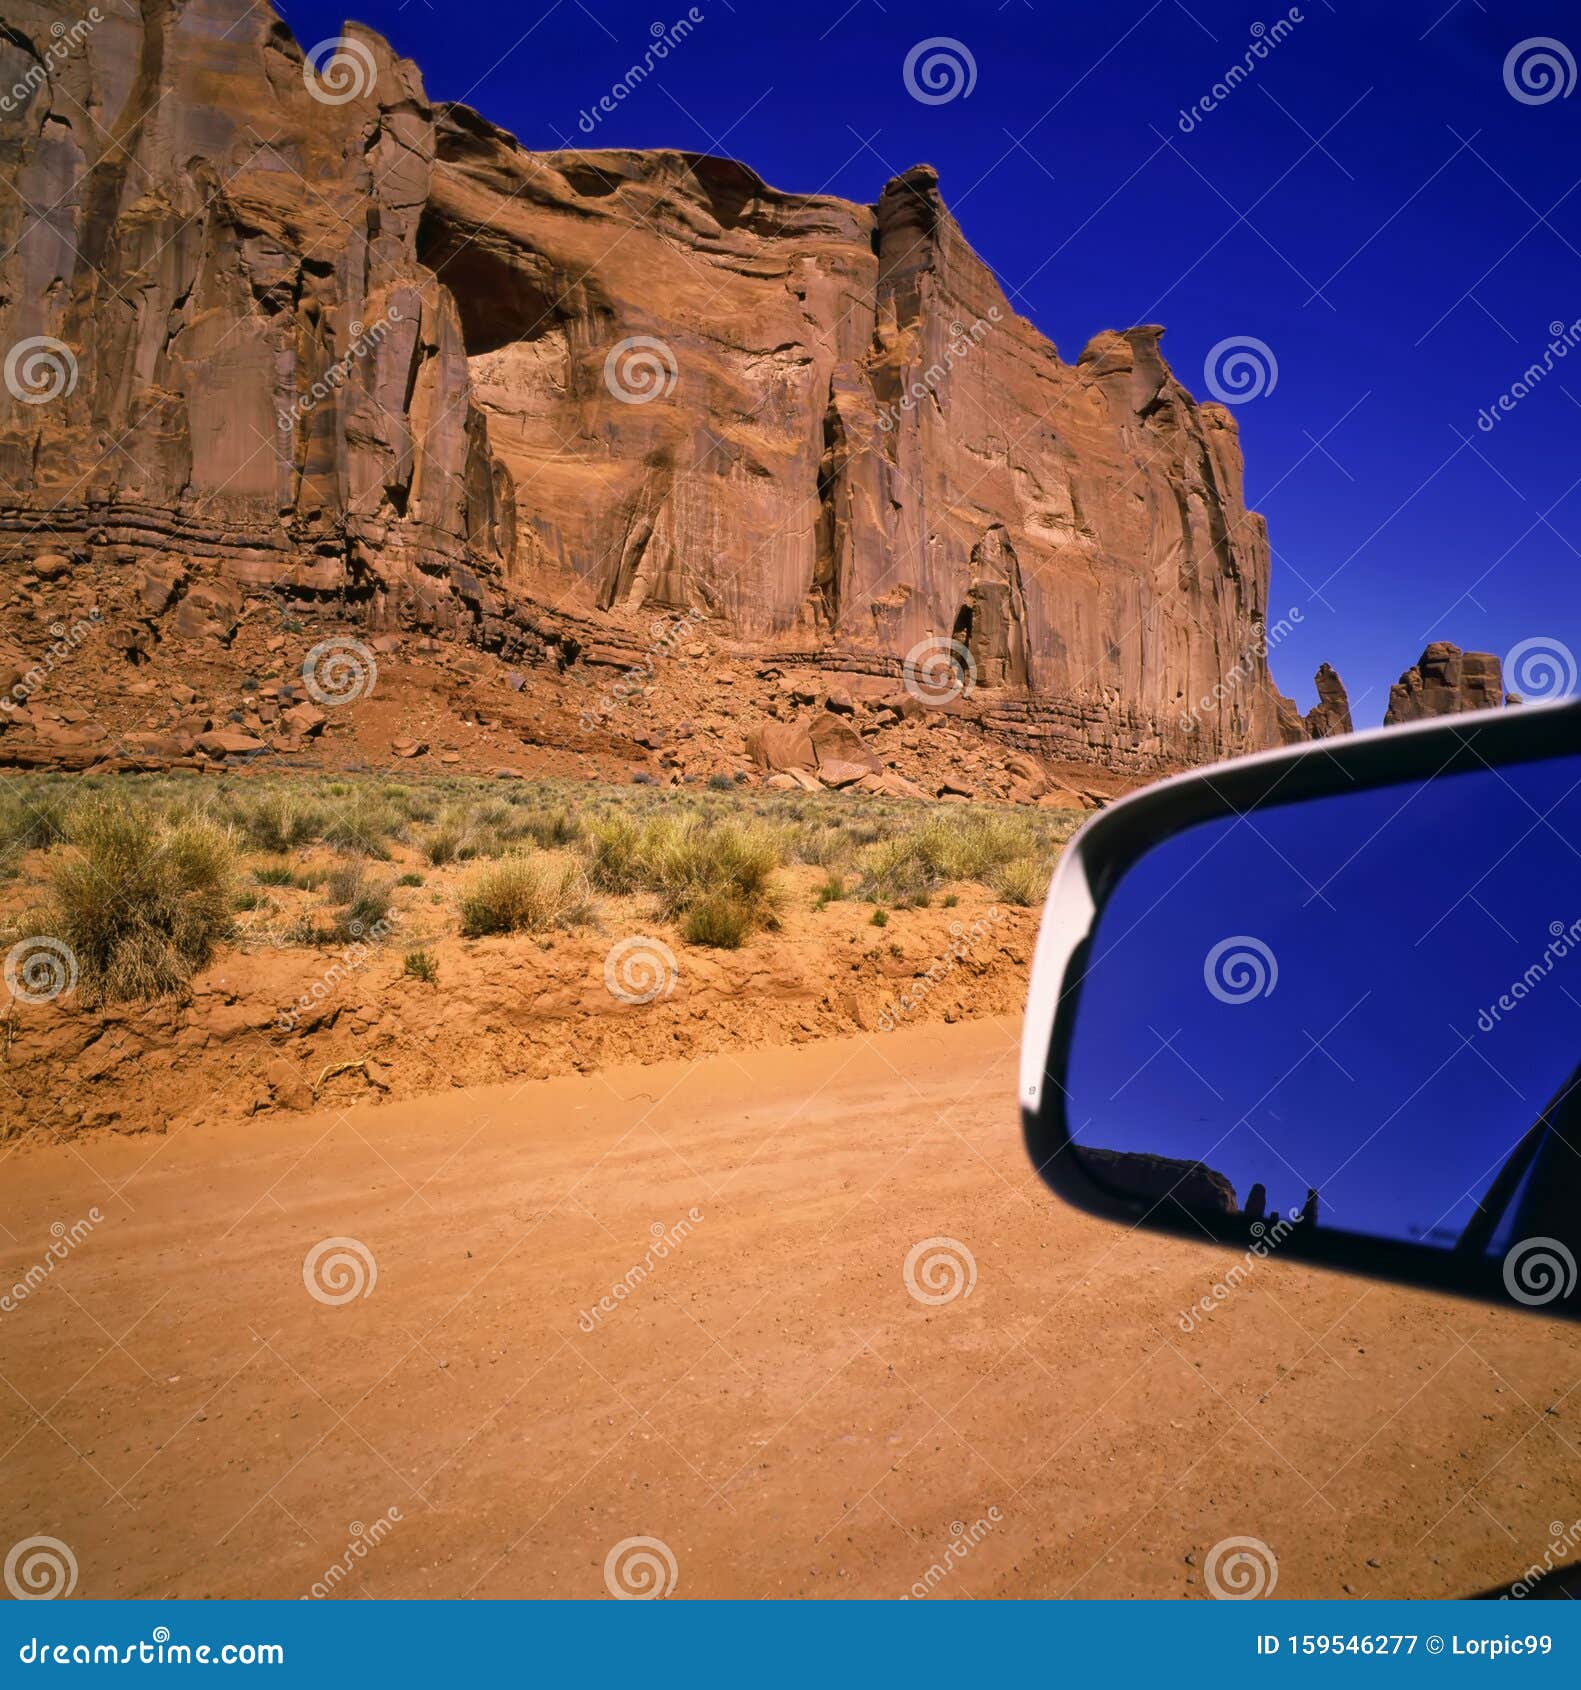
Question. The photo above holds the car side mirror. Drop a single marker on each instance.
(1325, 1004)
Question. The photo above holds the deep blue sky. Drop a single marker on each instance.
(1404, 271)
(1379, 1066)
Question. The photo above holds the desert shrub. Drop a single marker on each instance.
(421, 965)
(831, 891)
(554, 830)
(689, 859)
(719, 919)
(278, 820)
(880, 918)
(32, 816)
(521, 894)
(361, 822)
(957, 845)
(410, 879)
(361, 904)
(614, 847)
(446, 842)
(141, 902)
(1022, 882)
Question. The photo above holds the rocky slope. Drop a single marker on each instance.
(286, 328)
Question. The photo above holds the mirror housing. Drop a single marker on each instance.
(1149, 1161)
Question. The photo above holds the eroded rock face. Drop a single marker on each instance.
(1328, 717)
(1445, 681)
(378, 354)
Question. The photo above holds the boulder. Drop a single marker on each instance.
(305, 720)
(781, 747)
(227, 742)
(1446, 681)
(834, 740)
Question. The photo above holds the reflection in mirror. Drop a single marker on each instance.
(1358, 1013)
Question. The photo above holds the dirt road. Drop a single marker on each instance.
(200, 1401)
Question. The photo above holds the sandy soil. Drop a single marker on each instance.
(769, 1400)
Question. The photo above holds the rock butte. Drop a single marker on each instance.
(373, 354)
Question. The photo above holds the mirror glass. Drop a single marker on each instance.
(1360, 1012)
